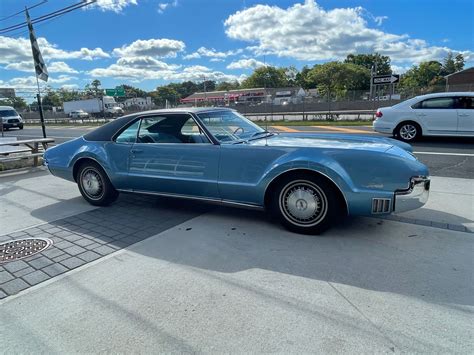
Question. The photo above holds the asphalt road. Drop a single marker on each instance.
(446, 157)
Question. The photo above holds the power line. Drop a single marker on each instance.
(22, 11)
(49, 16)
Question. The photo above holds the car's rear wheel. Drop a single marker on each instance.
(305, 203)
(94, 185)
(408, 131)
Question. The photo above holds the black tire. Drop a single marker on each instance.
(408, 131)
(305, 203)
(95, 185)
(21, 127)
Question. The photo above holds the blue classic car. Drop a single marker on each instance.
(215, 154)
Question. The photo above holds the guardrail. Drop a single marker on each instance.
(24, 149)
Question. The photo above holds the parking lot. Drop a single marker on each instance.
(153, 273)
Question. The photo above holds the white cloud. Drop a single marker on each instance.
(111, 5)
(30, 81)
(306, 31)
(165, 5)
(145, 62)
(162, 48)
(53, 67)
(60, 67)
(16, 50)
(69, 87)
(22, 66)
(246, 64)
(211, 53)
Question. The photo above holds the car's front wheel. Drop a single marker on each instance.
(408, 131)
(95, 185)
(305, 203)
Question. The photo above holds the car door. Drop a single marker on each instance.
(465, 111)
(437, 115)
(173, 156)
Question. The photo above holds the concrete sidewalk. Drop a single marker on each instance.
(229, 282)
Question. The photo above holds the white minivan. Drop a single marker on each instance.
(10, 118)
(441, 114)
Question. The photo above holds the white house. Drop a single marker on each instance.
(142, 103)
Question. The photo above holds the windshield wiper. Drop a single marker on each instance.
(259, 133)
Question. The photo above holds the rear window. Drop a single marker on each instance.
(8, 113)
(466, 103)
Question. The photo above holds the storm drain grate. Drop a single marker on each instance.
(22, 248)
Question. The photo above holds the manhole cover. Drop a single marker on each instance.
(22, 248)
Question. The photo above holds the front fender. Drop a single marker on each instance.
(307, 160)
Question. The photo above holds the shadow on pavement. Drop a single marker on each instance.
(431, 264)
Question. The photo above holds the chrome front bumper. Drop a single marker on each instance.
(415, 196)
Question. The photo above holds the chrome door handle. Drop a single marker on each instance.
(421, 114)
(134, 151)
(463, 114)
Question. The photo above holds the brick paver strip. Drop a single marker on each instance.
(88, 236)
(35, 277)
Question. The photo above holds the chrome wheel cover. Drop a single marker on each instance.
(92, 184)
(303, 203)
(408, 132)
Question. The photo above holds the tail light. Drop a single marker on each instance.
(378, 114)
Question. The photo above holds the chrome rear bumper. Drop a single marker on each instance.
(415, 196)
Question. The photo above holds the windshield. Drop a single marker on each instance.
(229, 126)
(8, 113)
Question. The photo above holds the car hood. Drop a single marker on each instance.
(338, 141)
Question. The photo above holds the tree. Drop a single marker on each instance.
(164, 93)
(227, 85)
(17, 102)
(423, 78)
(266, 77)
(302, 78)
(452, 64)
(335, 78)
(369, 60)
(93, 89)
(51, 98)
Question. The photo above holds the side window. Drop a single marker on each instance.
(192, 133)
(436, 103)
(129, 135)
(466, 103)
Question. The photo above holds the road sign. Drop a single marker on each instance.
(385, 79)
(117, 92)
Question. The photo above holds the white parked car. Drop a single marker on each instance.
(78, 114)
(441, 114)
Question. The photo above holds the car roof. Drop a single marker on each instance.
(445, 94)
(186, 110)
(108, 131)
(6, 108)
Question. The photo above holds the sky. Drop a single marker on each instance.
(148, 43)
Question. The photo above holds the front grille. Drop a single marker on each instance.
(14, 120)
(381, 205)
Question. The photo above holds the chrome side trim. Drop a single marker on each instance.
(196, 198)
(313, 171)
